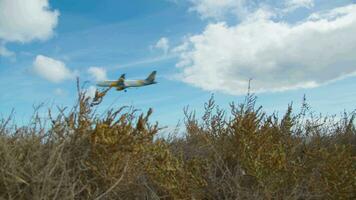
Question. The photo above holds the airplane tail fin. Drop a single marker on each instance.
(151, 77)
(121, 79)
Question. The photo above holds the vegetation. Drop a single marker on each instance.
(247, 154)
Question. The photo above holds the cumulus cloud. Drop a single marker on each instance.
(52, 70)
(277, 55)
(163, 44)
(90, 92)
(98, 73)
(294, 4)
(218, 8)
(24, 21)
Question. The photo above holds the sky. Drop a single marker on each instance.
(288, 48)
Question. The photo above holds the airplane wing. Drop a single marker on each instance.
(121, 79)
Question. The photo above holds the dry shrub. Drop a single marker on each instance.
(244, 154)
(253, 155)
(80, 155)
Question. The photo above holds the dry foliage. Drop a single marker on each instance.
(243, 155)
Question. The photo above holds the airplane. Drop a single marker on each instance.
(123, 84)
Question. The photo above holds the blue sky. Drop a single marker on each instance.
(211, 47)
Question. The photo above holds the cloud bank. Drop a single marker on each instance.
(277, 55)
(52, 70)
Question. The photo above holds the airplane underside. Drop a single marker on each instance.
(119, 88)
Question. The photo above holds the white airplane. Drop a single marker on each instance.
(123, 84)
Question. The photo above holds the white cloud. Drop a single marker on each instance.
(219, 8)
(90, 92)
(294, 4)
(98, 73)
(23, 21)
(52, 70)
(5, 52)
(163, 44)
(275, 54)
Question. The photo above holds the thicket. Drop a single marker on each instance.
(243, 153)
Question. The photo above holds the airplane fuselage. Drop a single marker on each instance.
(122, 83)
(125, 84)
